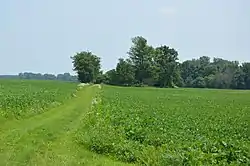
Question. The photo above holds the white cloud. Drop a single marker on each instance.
(167, 11)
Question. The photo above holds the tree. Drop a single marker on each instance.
(166, 61)
(199, 82)
(141, 55)
(49, 76)
(225, 73)
(217, 74)
(159, 67)
(65, 77)
(209, 81)
(87, 66)
(238, 81)
(100, 78)
(125, 72)
(204, 67)
(189, 71)
(110, 77)
(39, 76)
(246, 71)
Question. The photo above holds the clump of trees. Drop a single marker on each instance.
(39, 76)
(149, 66)
(87, 65)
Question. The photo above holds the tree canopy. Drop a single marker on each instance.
(154, 66)
(39, 76)
(159, 66)
(87, 65)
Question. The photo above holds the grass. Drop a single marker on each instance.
(170, 126)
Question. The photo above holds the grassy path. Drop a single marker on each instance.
(49, 138)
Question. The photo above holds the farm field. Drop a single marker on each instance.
(56, 123)
(25, 98)
(44, 133)
(153, 126)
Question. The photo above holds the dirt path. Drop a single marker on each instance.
(49, 138)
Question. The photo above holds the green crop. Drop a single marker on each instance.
(170, 126)
(26, 98)
(146, 126)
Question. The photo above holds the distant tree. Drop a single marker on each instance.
(66, 77)
(246, 70)
(217, 74)
(178, 80)
(141, 55)
(225, 73)
(35, 76)
(39, 76)
(100, 78)
(125, 74)
(199, 82)
(110, 77)
(87, 66)
(60, 77)
(49, 77)
(188, 82)
(204, 67)
(189, 72)
(166, 62)
(9, 77)
(238, 81)
(209, 81)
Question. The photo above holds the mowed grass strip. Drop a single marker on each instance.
(152, 126)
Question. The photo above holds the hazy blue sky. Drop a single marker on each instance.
(41, 35)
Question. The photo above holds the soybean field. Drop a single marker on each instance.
(60, 123)
(28, 98)
(153, 126)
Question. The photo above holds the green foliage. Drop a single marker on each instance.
(166, 62)
(169, 126)
(149, 66)
(39, 76)
(26, 98)
(146, 66)
(246, 71)
(199, 82)
(219, 73)
(125, 73)
(110, 77)
(87, 66)
(141, 55)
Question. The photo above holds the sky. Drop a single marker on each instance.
(41, 35)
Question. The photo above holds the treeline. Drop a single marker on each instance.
(149, 66)
(39, 76)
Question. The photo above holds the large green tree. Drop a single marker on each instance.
(87, 65)
(141, 55)
(110, 77)
(167, 66)
(219, 73)
(125, 72)
(159, 66)
(246, 71)
(225, 73)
